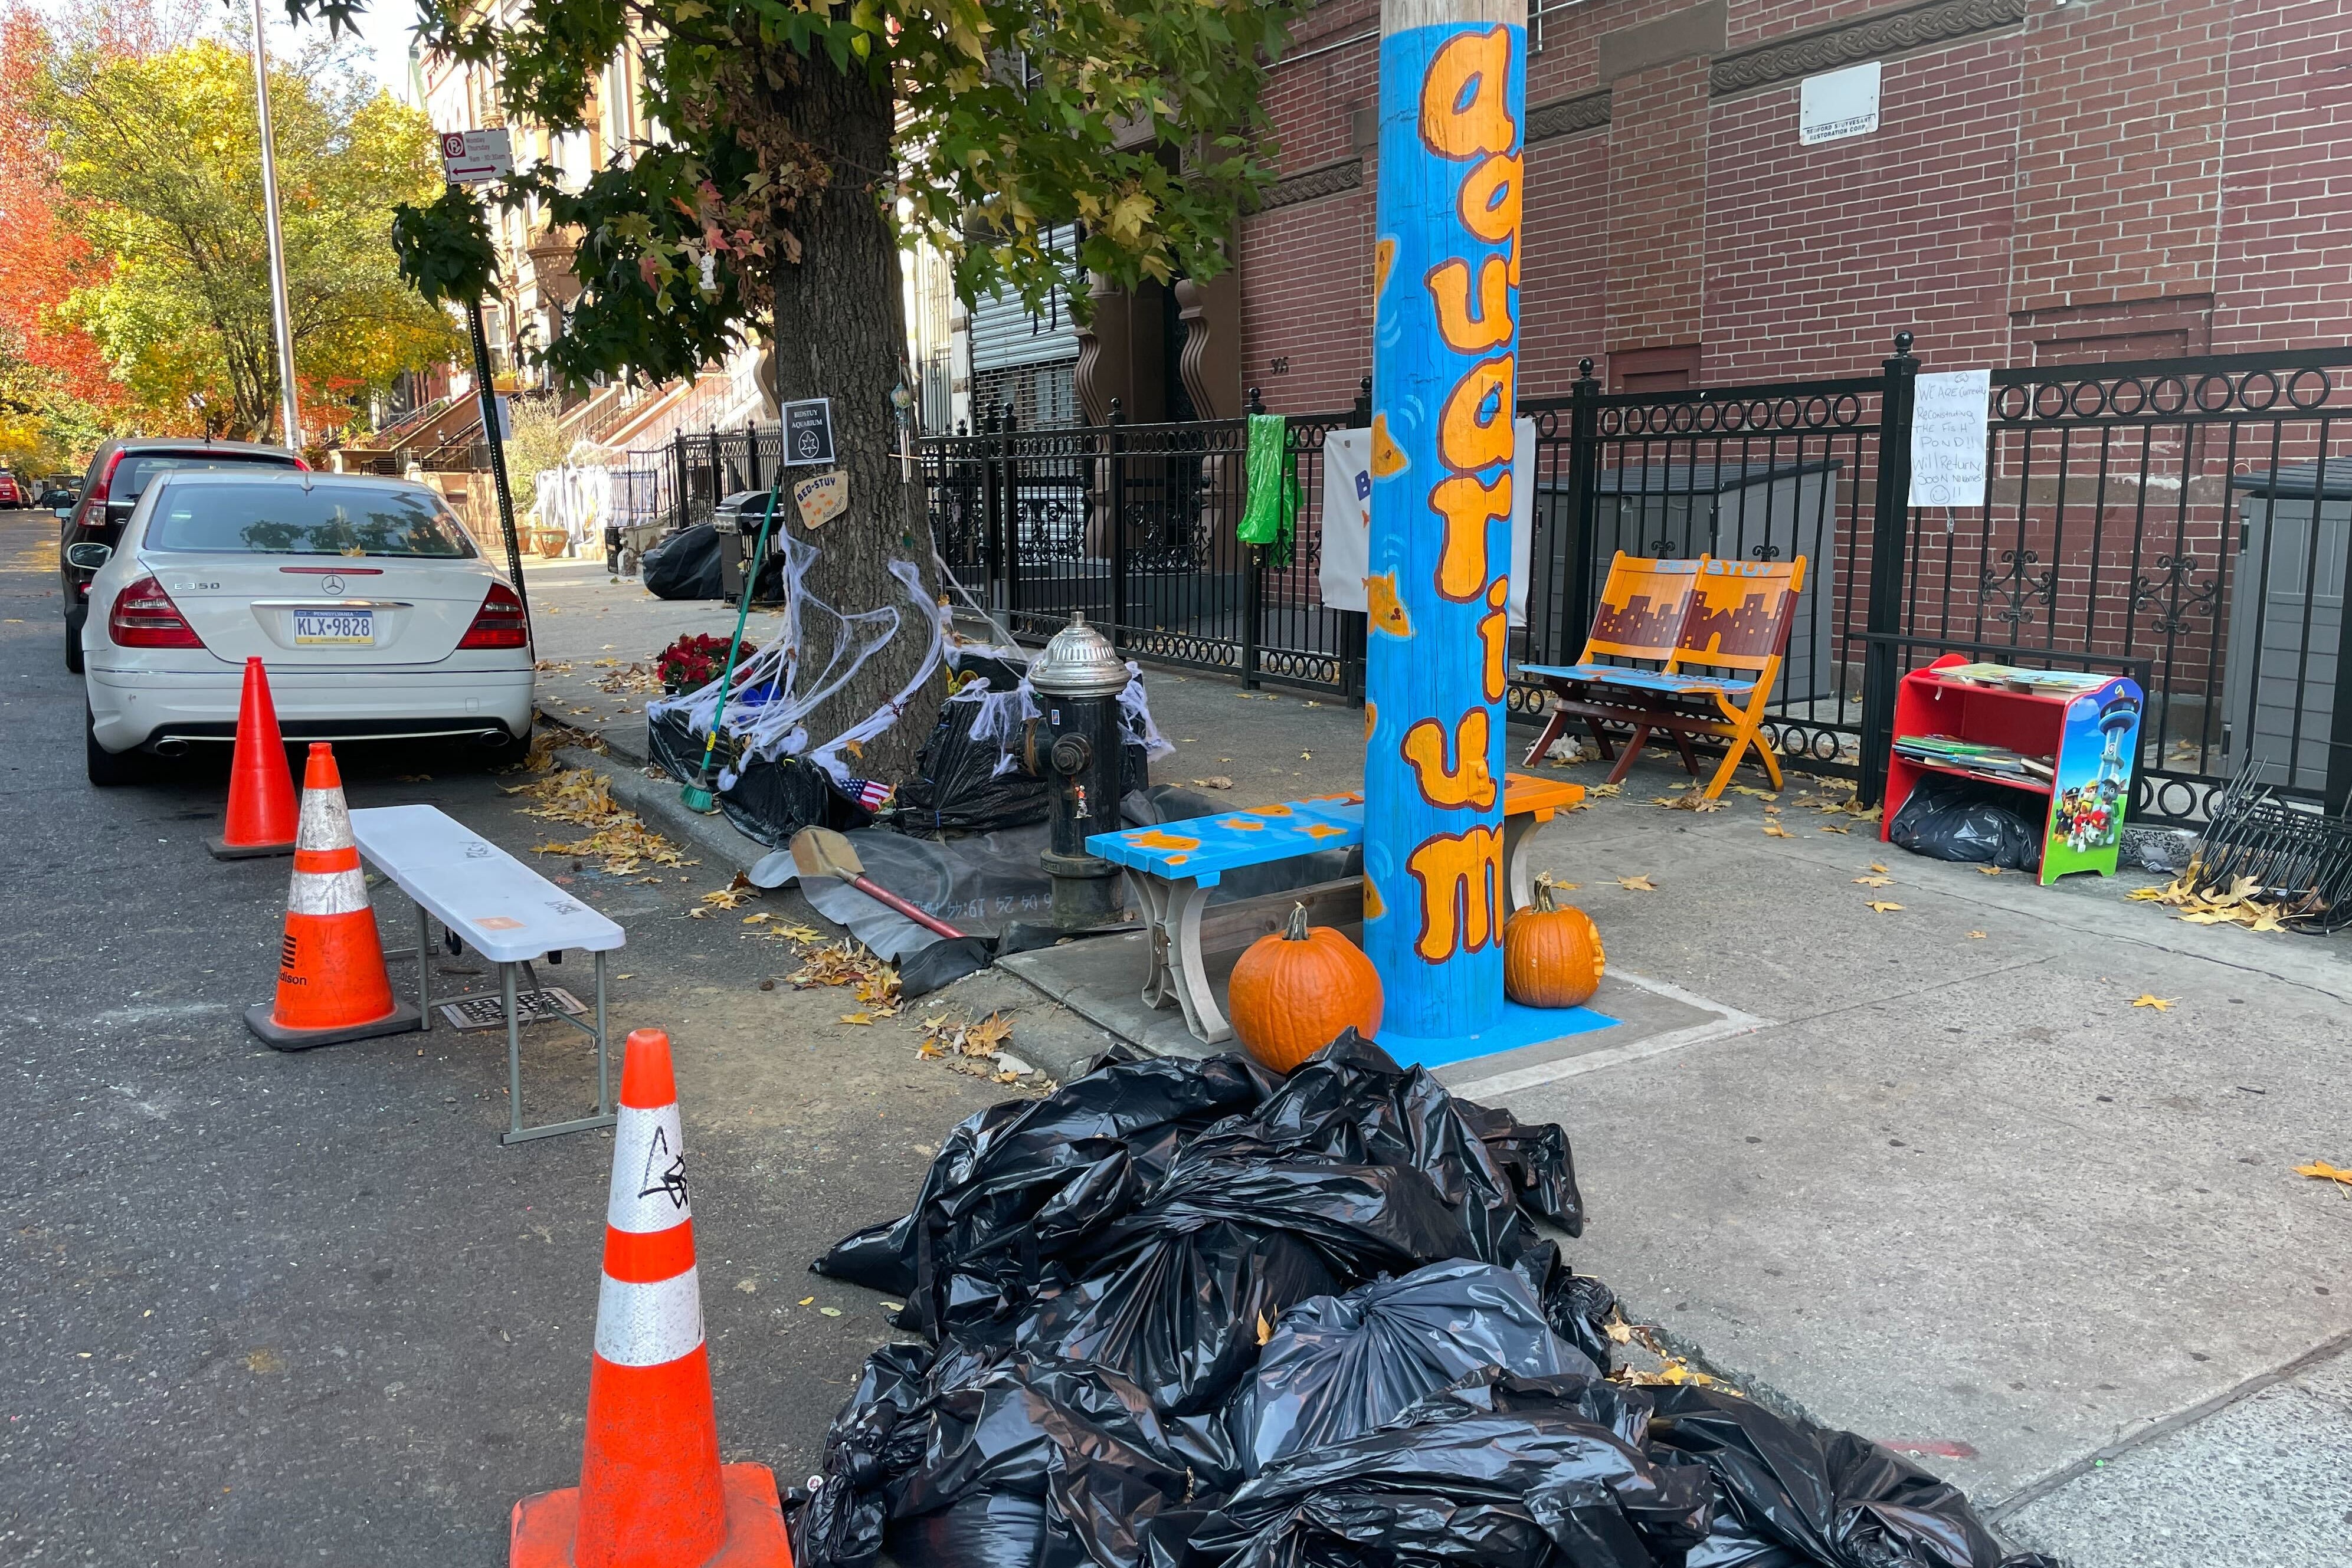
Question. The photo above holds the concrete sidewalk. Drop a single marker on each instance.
(1954, 1189)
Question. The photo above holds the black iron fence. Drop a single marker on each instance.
(2184, 521)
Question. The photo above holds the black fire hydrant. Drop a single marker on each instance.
(1075, 747)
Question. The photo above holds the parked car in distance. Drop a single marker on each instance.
(363, 597)
(12, 493)
(118, 474)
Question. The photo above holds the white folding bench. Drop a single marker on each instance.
(500, 908)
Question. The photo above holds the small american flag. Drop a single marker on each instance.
(870, 793)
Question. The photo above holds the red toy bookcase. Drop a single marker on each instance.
(2091, 736)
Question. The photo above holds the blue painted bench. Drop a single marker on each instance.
(1175, 866)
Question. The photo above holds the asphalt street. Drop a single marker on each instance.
(276, 1309)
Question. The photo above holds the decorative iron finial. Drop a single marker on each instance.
(1903, 342)
(1256, 403)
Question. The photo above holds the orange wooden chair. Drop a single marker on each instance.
(1740, 621)
(1643, 607)
(1716, 677)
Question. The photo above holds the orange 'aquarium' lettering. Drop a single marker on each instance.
(1464, 107)
(1469, 782)
(1476, 429)
(1494, 635)
(1490, 202)
(1467, 330)
(1468, 507)
(1461, 877)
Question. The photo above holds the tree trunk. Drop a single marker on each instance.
(840, 333)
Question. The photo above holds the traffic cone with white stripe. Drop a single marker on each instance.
(262, 812)
(651, 1492)
(332, 982)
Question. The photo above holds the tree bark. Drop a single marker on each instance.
(840, 333)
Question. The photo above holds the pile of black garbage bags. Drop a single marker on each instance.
(1189, 1314)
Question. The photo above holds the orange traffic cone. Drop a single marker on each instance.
(332, 983)
(261, 815)
(651, 1492)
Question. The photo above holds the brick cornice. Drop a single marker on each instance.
(1800, 55)
(1568, 116)
(1314, 183)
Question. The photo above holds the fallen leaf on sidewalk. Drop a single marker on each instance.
(1751, 790)
(1875, 880)
(2320, 1170)
(1882, 907)
(1833, 827)
(1987, 870)
(1607, 791)
(1775, 830)
(1306, 757)
(1693, 800)
(1877, 869)
(858, 1018)
(807, 1301)
(830, 1312)
(1637, 884)
(734, 896)
(1214, 781)
(1976, 936)
(2160, 1004)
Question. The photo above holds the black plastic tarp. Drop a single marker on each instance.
(686, 565)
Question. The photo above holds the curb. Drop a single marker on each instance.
(656, 801)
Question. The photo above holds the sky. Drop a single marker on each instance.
(384, 29)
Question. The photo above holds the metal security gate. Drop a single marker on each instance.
(2188, 522)
(2188, 517)
(1134, 527)
(1758, 473)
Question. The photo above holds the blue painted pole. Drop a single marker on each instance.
(1444, 347)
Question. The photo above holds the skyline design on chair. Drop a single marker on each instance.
(1715, 681)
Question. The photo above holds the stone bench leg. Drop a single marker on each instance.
(1172, 910)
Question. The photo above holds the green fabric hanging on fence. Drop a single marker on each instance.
(1270, 517)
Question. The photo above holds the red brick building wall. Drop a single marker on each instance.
(2098, 179)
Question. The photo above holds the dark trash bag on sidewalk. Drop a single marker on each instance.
(1499, 1472)
(1797, 1493)
(1949, 819)
(771, 800)
(686, 565)
(1337, 1368)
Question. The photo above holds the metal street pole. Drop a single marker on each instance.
(289, 397)
(497, 440)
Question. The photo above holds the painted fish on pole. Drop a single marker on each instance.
(1445, 275)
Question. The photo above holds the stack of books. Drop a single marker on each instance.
(2011, 677)
(1976, 757)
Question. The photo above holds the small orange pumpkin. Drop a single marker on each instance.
(1551, 954)
(1294, 991)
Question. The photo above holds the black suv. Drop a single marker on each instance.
(117, 475)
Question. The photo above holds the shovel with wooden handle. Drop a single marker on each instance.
(821, 851)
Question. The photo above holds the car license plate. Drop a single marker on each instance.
(334, 629)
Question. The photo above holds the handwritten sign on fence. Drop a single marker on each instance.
(1947, 438)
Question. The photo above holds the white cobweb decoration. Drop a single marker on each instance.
(773, 692)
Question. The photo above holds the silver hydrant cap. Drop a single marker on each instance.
(1079, 662)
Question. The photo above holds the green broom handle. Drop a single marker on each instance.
(743, 613)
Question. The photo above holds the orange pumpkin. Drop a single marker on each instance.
(1294, 991)
(1551, 954)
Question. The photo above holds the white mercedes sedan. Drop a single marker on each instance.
(364, 597)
